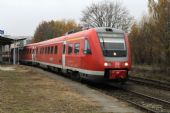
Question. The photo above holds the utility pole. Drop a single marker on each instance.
(14, 53)
(168, 22)
(168, 18)
(168, 31)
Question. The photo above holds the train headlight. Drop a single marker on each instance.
(107, 64)
(126, 64)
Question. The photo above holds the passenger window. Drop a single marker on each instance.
(87, 49)
(76, 48)
(51, 49)
(48, 50)
(70, 48)
(36, 51)
(42, 50)
(56, 49)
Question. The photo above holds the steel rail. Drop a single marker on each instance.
(160, 101)
(154, 83)
(142, 96)
(137, 105)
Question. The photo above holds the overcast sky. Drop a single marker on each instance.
(21, 17)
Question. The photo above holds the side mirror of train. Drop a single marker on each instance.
(87, 52)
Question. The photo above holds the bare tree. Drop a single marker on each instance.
(107, 14)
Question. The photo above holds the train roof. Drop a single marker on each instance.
(105, 29)
(61, 39)
(57, 39)
(48, 41)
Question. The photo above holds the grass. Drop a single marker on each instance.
(26, 91)
(150, 73)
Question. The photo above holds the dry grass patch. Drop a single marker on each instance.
(26, 91)
(151, 73)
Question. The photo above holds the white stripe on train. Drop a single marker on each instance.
(90, 72)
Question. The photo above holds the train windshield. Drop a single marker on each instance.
(112, 44)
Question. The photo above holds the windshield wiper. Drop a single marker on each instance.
(104, 47)
(103, 42)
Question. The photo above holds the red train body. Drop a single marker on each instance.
(96, 53)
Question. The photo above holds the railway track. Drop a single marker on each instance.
(146, 103)
(153, 83)
(142, 101)
(149, 103)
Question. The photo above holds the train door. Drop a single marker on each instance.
(33, 54)
(63, 54)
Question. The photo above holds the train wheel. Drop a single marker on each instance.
(123, 82)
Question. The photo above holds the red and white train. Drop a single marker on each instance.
(97, 53)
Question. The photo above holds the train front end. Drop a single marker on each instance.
(116, 53)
